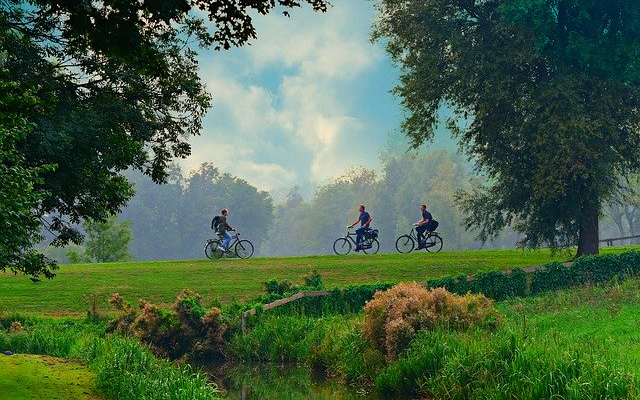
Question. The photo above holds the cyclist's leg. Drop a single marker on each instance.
(420, 233)
(359, 236)
(226, 241)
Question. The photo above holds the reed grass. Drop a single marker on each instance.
(125, 369)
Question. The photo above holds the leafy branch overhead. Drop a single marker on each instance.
(118, 86)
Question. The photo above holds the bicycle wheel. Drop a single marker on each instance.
(212, 250)
(375, 246)
(405, 244)
(341, 246)
(433, 243)
(244, 248)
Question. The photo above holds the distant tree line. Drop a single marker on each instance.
(172, 221)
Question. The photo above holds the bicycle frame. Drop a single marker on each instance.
(427, 234)
(366, 243)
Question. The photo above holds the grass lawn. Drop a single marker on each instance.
(42, 377)
(599, 319)
(232, 279)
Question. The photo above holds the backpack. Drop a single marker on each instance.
(215, 222)
(432, 225)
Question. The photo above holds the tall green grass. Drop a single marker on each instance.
(572, 344)
(503, 366)
(125, 369)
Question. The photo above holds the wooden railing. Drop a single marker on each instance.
(610, 241)
(282, 302)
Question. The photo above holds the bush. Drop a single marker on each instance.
(394, 317)
(585, 270)
(187, 329)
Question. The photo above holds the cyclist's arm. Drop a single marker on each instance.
(354, 223)
(366, 225)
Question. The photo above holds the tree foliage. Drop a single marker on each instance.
(545, 95)
(119, 81)
(172, 221)
(19, 225)
(108, 241)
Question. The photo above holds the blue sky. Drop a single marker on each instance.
(306, 101)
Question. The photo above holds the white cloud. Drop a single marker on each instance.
(285, 108)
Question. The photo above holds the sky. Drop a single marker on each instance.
(306, 101)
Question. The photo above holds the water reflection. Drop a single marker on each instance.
(289, 382)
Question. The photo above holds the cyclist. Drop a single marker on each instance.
(365, 219)
(223, 229)
(423, 225)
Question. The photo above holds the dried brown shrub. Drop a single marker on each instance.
(393, 317)
(186, 329)
(15, 327)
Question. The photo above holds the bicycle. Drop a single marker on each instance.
(370, 245)
(407, 243)
(242, 248)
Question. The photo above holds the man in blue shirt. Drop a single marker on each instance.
(423, 225)
(365, 219)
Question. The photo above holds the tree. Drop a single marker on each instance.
(206, 192)
(545, 95)
(108, 241)
(120, 85)
(19, 225)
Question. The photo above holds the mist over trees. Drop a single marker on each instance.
(173, 221)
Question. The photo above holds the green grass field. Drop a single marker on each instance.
(233, 279)
(34, 377)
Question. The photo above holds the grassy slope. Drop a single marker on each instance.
(41, 377)
(603, 320)
(161, 281)
(552, 332)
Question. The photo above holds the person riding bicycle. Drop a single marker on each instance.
(223, 230)
(425, 224)
(365, 219)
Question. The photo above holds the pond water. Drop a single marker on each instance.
(287, 382)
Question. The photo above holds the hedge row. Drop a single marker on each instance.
(586, 270)
(553, 276)
(341, 301)
(496, 285)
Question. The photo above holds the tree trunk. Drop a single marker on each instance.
(588, 235)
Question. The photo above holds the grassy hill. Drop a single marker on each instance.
(233, 279)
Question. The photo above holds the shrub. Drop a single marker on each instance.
(15, 327)
(278, 287)
(187, 329)
(394, 317)
(313, 280)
